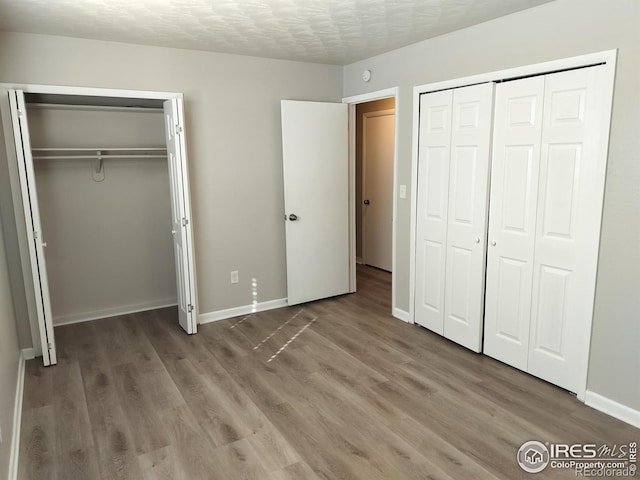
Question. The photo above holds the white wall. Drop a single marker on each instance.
(109, 244)
(232, 106)
(9, 358)
(559, 29)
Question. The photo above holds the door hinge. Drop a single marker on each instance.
(189, 308)
(178, 129)
(49, 346)
(185, 221)
(35, 235)
(20, 113)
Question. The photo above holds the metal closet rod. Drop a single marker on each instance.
(92, 157)
(102, 149)
(98, 153)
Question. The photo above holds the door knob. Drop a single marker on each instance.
(44, 244)
(493, 243)
(477, 240)
(366, 202)
(293, 217)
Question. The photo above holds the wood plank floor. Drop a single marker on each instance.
(336, 389)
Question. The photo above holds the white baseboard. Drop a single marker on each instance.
(613, 408)
(401, 315)
(29, 353)
(359, 260)
(17, 421)
(113, 312)
(243, 310)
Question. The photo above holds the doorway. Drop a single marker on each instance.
(320, 204)
(356, 184)
(375, 146)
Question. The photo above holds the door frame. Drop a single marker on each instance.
(365, 117)
(15, 181)
(352, 101)
(606, 58)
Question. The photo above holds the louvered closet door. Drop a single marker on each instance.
(467, 215)
(433, 196)
(512, 219)
(568, 227)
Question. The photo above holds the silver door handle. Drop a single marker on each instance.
(493, 243)
(293, 217)
(44, 244)
(477, 240)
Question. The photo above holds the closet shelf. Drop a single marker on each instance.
(97, 153)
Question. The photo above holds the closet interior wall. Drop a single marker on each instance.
(109, 245)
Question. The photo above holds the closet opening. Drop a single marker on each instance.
(103, 191)
(105, 205)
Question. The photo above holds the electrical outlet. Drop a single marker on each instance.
(403, 191)
(234, 276)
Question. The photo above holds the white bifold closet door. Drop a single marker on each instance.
(547, 187)
(31, 211)
(512, 220)
(181, 214)
(453, 170)
(434, 143)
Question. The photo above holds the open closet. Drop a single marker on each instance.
(104, 199)
(510, 190)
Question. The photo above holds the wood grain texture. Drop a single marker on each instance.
(335, 389)
(160, 464)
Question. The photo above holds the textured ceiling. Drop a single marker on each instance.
(324, 31)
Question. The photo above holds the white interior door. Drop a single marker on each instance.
(33, 225)
(316, 187)
(467, 214)
(378, 138)
(181, 214)
(512, 219)
(433, 197)
(570, 193)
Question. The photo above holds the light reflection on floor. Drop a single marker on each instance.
(268, 337)
(278, 329)
(292, 339)
(240, 321)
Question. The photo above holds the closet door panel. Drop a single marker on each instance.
(512, 219)
(567, 227)
(33, 225)
(181, 215)
(433, 198)
(467, 214)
